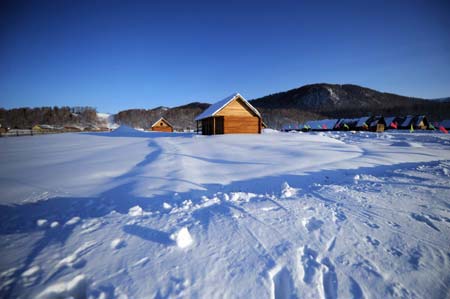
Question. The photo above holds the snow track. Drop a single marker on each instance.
(329, 215)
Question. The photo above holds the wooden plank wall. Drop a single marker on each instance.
(238, 124)
(162, 129)
(236, 108)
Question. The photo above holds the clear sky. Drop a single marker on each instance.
(115, 55)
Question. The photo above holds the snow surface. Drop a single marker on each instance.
(132, 214)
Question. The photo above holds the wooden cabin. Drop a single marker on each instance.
(393, 122)
(232, 115)
(377, 124)
(420, 122)
(445, 124)
(162, 125)
(363, 123)
(407, 122)
(322, 125)
(346, 124)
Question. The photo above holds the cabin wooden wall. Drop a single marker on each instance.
(162, 126)
(234, 118)
(231, 125)
(238, 124)
(236, 108)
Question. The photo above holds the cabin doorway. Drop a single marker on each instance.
(219, 125)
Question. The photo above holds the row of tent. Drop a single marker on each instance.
(371, 123)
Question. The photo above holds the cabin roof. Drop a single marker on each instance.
(216, 107)
(419, 119)
(445, 123)
(348, 121)
(161, 119)
(389, 120)
(362, 121)
(407, 121)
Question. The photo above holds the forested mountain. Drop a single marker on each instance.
(181, 117)
(309, 102)
(324, 100)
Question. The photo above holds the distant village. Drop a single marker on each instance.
(371, 123)
(234, 115)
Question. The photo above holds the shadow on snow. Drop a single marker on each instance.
(20, 219)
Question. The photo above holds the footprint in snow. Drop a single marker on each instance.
(312, 224)
(395, 252)
(424, 219)
(372, 225)
(373, 241)
(308, 264)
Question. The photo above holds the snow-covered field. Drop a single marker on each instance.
(133, 214)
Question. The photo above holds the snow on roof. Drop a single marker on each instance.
(419, 119)
(362, 121)
(216, 107)
(389, 120)
(376, 120)
(407, 121)
(161, 119)
(347, 121)
(319, 124)
(445, 123)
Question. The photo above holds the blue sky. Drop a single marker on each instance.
(116, 55)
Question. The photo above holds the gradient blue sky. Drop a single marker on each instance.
(115, 55)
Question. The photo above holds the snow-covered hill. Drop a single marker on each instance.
(107, 120)
(132, 214)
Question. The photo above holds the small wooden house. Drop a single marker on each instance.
(346, 124)
(393, 122)
(420, 122)
(445, 124)
(363, 123)
(377, 124)
(407, 122)
(162, 125)
(232, 115)
(71, 129)
(322, 125)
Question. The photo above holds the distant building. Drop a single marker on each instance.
(393, 122)
(162, 125)
(377, 124)
(346, 124)
(363, 123)
(445, 124)
(421, 122)
(322, 125)
(232, 115)
(407, 122)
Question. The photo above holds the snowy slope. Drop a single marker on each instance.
(107, 120)
(278, 215)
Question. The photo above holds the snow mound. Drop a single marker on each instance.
(75, 288)
(125, 131)
(42, 222)
(135, 211)
(117, 243)
(287, 191)
(183, 238)
(73, 220)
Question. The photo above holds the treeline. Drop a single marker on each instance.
(26, 118)
(278, 117)
(181, 117)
